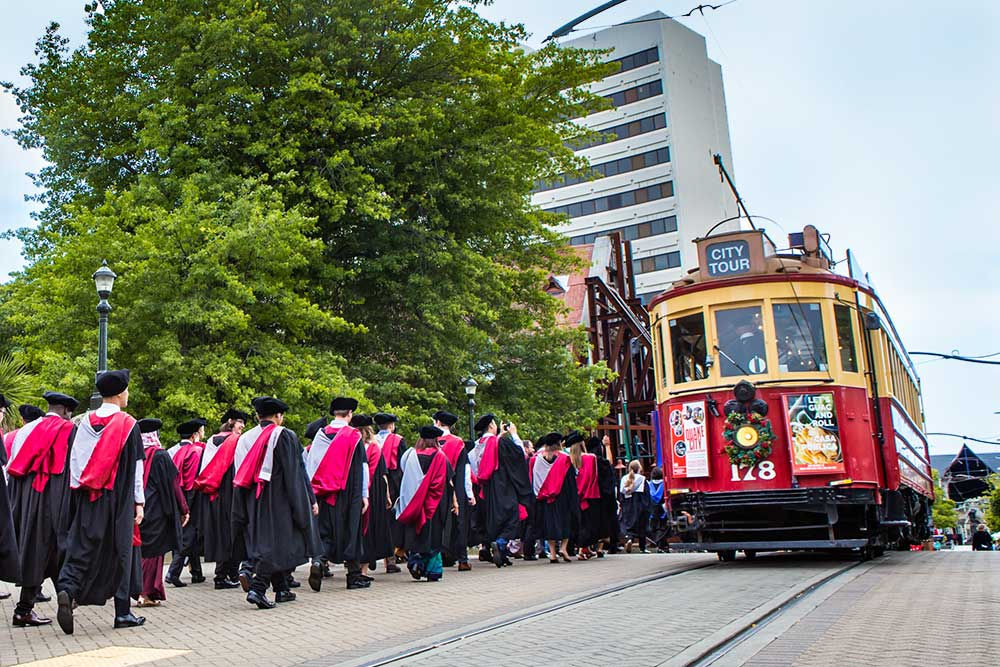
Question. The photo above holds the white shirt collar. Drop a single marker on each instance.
(107, 409)
(446, 429)
(339, 423)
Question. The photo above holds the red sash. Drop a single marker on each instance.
(209, 480)
(428, 495)
(490, 460)
(99, 474)
(187, 459)
(390, 451)
(249, 472)
(330, 477)
(8, 441)
(586, 480)
(553, 483)
(43, 452)
(452, 446)
(374, 453)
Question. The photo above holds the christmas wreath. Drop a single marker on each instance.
(748, 438)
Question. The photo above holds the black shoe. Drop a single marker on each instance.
(245, 581)
(366, 577)
(65, 614)
(129, 621)
(392, 569)
(226, 584)
(259, 599)
(498, 556)
(532, 557)
(199, 579)
(176, 582)
(293, 583)
(284, 596)
(42, 597)
(30, 620)
(484, 556)
(356, 583)
(316, 576)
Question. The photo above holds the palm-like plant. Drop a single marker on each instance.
(18, 386)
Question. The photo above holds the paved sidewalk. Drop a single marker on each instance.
(219, 628)
(916, 608)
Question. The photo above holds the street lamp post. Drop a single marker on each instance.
(470, 391)
(104, 280)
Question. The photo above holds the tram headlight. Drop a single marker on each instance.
(744, 391)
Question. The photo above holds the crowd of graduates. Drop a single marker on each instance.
(95, 502)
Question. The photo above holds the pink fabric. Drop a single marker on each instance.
(99, 474)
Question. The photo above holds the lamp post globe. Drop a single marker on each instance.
(470, 390)
(104, 281)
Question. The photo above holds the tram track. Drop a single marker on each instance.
(519, 618)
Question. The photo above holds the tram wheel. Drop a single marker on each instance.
(750, 554)
(726, 555)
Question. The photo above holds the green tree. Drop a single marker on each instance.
(18, 386)
(992, 517)
(303, 197)
(943, 512)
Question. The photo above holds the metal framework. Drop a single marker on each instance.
(619, 336)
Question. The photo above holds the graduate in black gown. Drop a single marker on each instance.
(28, 413)
(377, 520)
(9, 568)
(337, 466)
(589, 493)
(393, 445)
(106, 502)
(271, 505)
(635, 504)
(605, 526)
(39, 495)
(213, 498)
(499, 465)
(187, 457)
(426, 498)
(165, 513)
(557, 505)
(457, 526)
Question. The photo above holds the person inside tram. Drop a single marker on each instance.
(741, 342)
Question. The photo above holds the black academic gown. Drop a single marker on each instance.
(377, 541)
(215, 518)
(395, 477)
(340, 525)
(161, 522)
(36, 522)
(507, 488)
(605, 525)
(192, 542)
(99, 554)
(560, 519)
(457, 528)
(431, 536)
(635, 512)
(277, 524)
(9, 568)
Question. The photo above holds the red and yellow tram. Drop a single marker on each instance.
(789, 413)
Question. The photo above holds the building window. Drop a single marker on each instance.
(632, 232)
(636, 94)
(667, 260)
(634, 60)
(623, 131)
(605, 169)
(615, 201)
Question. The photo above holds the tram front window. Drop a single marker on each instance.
(801, 346)
(740, 333)
(687, 344)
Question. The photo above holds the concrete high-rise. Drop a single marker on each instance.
(656, 181)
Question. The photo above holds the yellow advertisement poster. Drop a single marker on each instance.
(813, 435)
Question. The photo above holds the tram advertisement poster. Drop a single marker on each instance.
(688, 440)
(813, 434)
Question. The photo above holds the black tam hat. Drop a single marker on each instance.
(235, 415)
(484, 422)
(343, 404)
(594, 445)
(188, 428)
(55, 398)
(385, 418)
(358, 421)
(572, 438)
(30, 413)
(551, 438)
(269, 405)
(149, 424)
(445, 418)
(430, 432)
(112, 383)
(314, 427)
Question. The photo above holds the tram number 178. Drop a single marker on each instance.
(765, 470)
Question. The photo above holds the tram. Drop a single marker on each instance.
(788, 412)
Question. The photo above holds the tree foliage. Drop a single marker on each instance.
(303, 197)
(943, 512)
(18, 386)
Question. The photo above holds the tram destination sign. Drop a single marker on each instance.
(728, 258)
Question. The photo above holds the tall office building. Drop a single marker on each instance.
(656, 181)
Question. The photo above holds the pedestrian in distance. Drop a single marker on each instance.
(557, 502)
(634, 500)
(981, 539)
(458, 526)
(186, 456)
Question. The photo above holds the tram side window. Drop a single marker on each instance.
(845, 339)
(740, 333)
(687, 344)
(801, 345)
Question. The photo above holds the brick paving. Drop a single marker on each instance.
(336, 625)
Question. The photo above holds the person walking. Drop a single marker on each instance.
(981, 539)
(634, 501)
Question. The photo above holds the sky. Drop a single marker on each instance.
(874, 121)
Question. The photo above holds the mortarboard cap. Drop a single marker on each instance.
(55, 398)
(430, 432)
(484, 422)
(149, 424)
(112, 383)
(445, 418)
(343, 404)
(550, 438)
